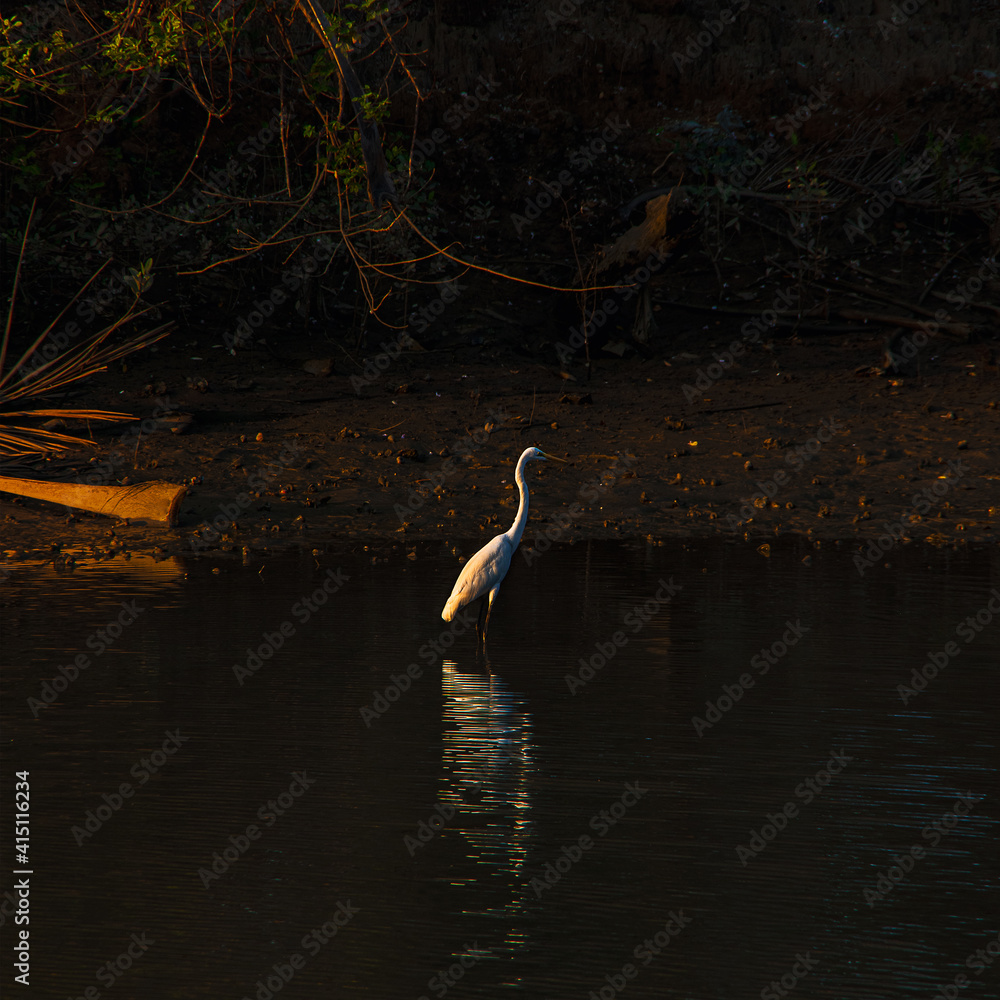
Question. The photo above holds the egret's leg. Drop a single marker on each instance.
(486, 623)
(483, 616)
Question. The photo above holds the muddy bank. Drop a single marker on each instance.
(803, 438)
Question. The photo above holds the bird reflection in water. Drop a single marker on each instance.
(488, 774)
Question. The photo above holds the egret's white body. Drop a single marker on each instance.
(482, 575)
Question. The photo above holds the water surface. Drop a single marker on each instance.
(532, 821)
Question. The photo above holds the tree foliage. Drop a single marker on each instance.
(197, 133)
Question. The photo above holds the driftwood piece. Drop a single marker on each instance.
(158, 502)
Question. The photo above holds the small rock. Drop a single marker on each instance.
(318, 366)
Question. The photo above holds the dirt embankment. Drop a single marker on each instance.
(791, 438)
(684, 425)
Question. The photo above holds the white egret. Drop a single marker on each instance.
(482, 575)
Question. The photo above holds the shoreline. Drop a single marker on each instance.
(792, 439)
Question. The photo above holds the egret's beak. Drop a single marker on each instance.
(553, 457)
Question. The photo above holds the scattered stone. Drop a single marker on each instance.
(321, 367)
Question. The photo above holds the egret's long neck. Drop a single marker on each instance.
(517, 528)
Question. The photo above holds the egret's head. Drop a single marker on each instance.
(537, 453)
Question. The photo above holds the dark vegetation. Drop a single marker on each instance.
(213, 148)
(830, 171)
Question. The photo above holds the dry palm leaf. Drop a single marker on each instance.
(93, 354)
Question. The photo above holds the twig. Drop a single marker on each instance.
(937, 274)
(960, 329)
(873, 293)
(733, 409)
(499, 274)
(974, 305)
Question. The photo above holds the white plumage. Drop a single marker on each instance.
(482, 575)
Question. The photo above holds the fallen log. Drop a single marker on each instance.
(157, 502)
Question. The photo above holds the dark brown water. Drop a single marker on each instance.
(537, 828)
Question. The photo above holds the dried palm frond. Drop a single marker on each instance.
(93, 354)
